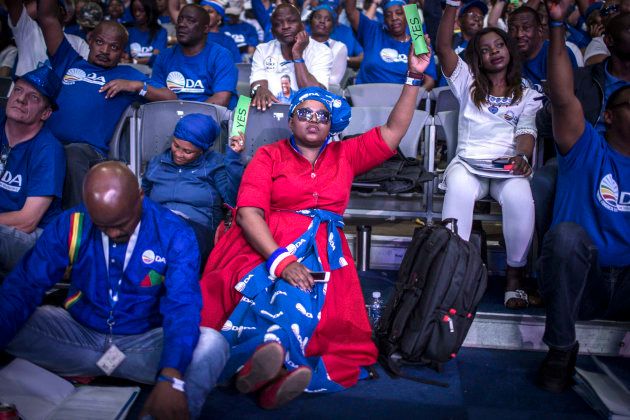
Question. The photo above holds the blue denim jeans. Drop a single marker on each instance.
(575, 287)
(14, 243)
(51, 338)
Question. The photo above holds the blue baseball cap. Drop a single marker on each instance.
(46, 82)
(475, 3)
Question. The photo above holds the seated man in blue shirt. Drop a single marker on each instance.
(525, 27)
(195, 69)
(586, 253)
(134, 299)
(32, 165)
(243, 33)
(93, 97)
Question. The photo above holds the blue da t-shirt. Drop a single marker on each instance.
(141, 45)
(35, 168)
(242, 33)
(198, 77)
(84, 115)
(593, 190)
(227, 43)
(343, 33)
(535, 70)
(384, 59)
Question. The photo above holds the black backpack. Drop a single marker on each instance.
(440, 283)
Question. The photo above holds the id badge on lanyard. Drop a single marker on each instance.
(112, 356)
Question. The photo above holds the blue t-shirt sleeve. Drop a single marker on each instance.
(251, 36)
(225, 74)
(159, 43)
(367, 30)
(47, 169)
(263, 16)
(158, 74)
(63, 58)
(586, 149)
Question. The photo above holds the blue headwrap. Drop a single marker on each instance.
(391, 3)
(338, 107)
(197, 129)
(215, 5)
(328, 7)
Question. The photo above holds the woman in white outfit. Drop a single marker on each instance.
(496, 119)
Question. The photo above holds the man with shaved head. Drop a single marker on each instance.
(95, 94)
(134, 299)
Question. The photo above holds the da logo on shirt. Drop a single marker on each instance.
(390, 55)
(271, 63)
(10, 182)
(148, 257)
(176, 82)
(75, 75)
(609, 195)
(138, 50)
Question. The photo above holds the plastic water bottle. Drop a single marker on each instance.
(376, 308)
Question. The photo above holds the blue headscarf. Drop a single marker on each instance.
(197, 129)
(329, 8)
(391, 3)
(338, 107)
(215, 5)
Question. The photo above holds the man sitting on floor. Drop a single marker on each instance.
(134, 297)
(586, 254)
(32, 165)
(93, 97)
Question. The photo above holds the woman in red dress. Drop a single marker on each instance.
(288, 332)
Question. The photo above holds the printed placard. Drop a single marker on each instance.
(240, 115)
(414, 22)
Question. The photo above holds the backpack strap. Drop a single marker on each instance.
(74, 240)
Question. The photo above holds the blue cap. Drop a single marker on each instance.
(198, 129)
(391, 3)
(46, 82)
(327, 6)
(340, 111)
(215, 5)
(475, 3)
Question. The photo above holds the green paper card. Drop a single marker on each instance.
(240, 115)
(414, 23)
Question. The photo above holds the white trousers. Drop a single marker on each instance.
(513, 194)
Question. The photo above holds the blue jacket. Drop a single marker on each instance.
(159, 287)
(196, 190)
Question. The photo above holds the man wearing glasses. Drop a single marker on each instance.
(32, 165)
(470, 22)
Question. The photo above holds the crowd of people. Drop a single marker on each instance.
(162, 292)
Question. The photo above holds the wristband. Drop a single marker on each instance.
(524, 157)
(283, 264)
(453, 3)
(415, 75)
(273, 257)
(556, 23)
(144, 89)
(299, 60)
(177, 384)
(413, 82)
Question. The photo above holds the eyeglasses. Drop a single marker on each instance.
(609, 10)
(4, 157)
(306, 114)
(474, 16)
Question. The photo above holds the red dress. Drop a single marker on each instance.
(280, 181)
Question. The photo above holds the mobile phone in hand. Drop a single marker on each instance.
(320, 276)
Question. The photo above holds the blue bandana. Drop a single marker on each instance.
(197, 129)
(340, 111)
(329, 8)
(46, 82)
(215, 5)
(391, 3)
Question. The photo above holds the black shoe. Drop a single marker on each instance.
(556, 371)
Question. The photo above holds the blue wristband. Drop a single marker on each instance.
(177, 384)
(556, 23)
(273, 257)
(299, 60)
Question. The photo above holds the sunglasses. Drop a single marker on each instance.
(306, 114)
(609, 10)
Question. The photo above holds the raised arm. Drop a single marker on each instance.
(173, 10)
(353, 14)
(402, 113)
(14, 7)
(495, 13)
(49, 22)
(446, 55)
(566, 110)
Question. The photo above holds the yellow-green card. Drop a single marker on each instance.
(414, 22)
(240, 115)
